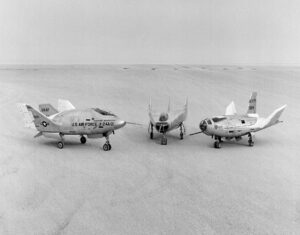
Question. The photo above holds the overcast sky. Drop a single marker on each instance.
(150, 31)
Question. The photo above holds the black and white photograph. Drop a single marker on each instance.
(166, 117)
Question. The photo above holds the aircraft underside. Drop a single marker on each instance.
(163, 128)
(218, 139)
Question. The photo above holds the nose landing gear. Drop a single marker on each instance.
(107, 146)
(164, 140)
(217, 143)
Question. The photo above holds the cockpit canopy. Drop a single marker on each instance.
(103, 112)
(163, 117)
(218, 119)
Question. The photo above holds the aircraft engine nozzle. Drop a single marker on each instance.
(203, 125)
(119, 124)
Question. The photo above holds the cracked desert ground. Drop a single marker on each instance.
(140, 186)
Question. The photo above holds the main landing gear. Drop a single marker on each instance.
(150, 130)
(250, 141)
(82, 140)
(182, 130)
(60, 144)
(107, 146)
(217, 143)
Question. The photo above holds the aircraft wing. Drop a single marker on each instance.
(64, 105)
(230, 109)
(154, 116)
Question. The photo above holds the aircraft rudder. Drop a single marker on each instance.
(41, 122)
(27, 116)
(252, 103)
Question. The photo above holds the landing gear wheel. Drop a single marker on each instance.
(83, 140)
(250, 141)
(106, 147)
(182, 129)
(181, 135)
(151, 135)
(60, 145)
(164, 140)
(109, 147)
(217, 144)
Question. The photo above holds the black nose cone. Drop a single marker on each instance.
(203, 125)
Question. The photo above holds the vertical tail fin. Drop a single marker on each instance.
(274, 117)
(169, 105)
(186, 103)
(150, 105)
(47, 109)
(34, 118)
(27, 116)
(252, 104)
(186, 108)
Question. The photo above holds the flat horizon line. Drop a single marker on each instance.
(186, 66)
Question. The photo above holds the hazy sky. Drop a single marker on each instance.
(150, 31)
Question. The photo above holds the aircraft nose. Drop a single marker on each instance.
(119, 123)
(203, 125)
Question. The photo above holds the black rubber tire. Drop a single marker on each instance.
(217, 144)
(181, 136)
(60, 145)
(82, 140)
(106, 147)
(251, 143)
(109, 147)
(151, 135)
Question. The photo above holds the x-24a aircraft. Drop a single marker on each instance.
(52, 123)
(232, 125)
(167, 121)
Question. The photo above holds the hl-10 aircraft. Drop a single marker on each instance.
(231, 125)
(52, 123)
(167, 121)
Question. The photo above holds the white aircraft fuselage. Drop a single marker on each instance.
(86, 122)
(233, 125)
(67, 120)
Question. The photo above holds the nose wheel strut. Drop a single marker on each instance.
(107, 146)
(164, 140)
(217, 143)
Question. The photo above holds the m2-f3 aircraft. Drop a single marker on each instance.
(52, 123)
(232, 125)
(167, 121)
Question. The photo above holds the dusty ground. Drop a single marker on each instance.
(141, 187)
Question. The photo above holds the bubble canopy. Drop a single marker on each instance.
(103, 112)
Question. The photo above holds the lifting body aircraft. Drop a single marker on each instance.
(52, 123)
(232, 125)
(167, 121)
